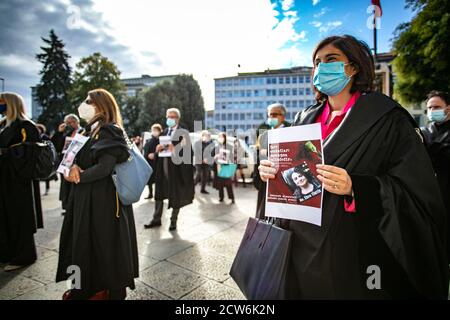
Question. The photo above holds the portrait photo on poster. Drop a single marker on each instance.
(296, 192)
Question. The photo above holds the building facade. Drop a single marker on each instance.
(135, 85)
(241, 101)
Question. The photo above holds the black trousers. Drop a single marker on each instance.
(159, 204)
(203, 173)
(229, 192)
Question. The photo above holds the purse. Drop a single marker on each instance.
(131, 177)
(227, 171)
(260, 267)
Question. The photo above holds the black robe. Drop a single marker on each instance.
(150, 147)
(399, 223)
(179, 188)
(59, 141)
(437, 139)
(98, 232)
(20, 199)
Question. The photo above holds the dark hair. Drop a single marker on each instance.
(441, 94)
(359, 54)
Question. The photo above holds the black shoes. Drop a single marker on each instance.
(152, 224)
(204, 192)
(173, 226)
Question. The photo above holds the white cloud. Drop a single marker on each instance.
(321, 13)
(206, 38)
(315, 2)
(316, 24)
(330, 26)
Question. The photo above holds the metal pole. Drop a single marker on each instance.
(3, 84)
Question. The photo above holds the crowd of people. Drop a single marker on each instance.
(386, 182)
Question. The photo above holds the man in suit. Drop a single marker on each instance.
(174, 179)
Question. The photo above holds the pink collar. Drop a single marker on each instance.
(348, 106)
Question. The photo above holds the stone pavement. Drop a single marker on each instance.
(190, 263)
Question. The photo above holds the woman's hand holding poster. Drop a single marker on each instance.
(295, 193)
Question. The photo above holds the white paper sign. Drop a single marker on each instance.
(165, 141)
(75, 146)
(296, 193)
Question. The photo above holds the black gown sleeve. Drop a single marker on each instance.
(102, 169)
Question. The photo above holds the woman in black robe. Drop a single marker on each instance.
(376, 161)
(151, 156)
(20, 202)
(98, 234)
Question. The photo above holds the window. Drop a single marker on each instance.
(288, 80)
(300, 79)
(248, 115)
(242, 93)
(248, 93)
(294, 104)
(217, 116)
(242, 116)
(308, 79)
(288, 104)
(248, 81)
(229, 117)
(256, 93)
(281, 92)
(294, 79)
(236, 116)
(301, 104)
(288, 92)
(280, 80)
(224, 117)
(241, 82)
(236, 82)
(308, 91)
(294, 92)
(301, 92)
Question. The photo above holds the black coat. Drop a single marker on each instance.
(399, 223)
(179, 187)
(20, 199)
(59, 141)
(98, 232)
(150, 147)
(437, 139)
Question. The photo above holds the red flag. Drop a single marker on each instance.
(378, 4)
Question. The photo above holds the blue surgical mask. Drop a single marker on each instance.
(436, 115)
(272, 122)
(330, 78)
(2, 108)
(170, 122)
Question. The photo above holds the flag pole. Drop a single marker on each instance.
(375, 34)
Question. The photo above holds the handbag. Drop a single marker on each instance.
(260, 267)
(131, 177)
(227, 171)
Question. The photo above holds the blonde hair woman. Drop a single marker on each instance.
(98, 233)
(20, 204)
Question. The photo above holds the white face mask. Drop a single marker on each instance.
(86, 111)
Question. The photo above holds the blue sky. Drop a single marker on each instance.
(206, 38)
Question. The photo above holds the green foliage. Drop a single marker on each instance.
(183, 92)
(94, 72)
(422, 54)
(52, 90)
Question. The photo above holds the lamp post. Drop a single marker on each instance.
(3, 84)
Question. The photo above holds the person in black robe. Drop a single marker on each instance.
(204, 153)
(151, 156)
(276, 118)
(98, 235)
(20, 201)
(61, 140)
(376, 160)
(174, 174)
(437, 139)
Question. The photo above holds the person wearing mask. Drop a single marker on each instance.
(98, 233)
(437, 140)
(61, 140)
(174, 176)
(43, 136)
(238, 155)
(382, 209)
(20, 201)
(151, 156)
(276, 118)
(204, 153)
(223, 154)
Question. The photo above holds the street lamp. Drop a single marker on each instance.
(3, 84)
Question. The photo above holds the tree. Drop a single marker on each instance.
(130, 114)
(421, 49)
(183, 92)
(93, 72)
(53, 88)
